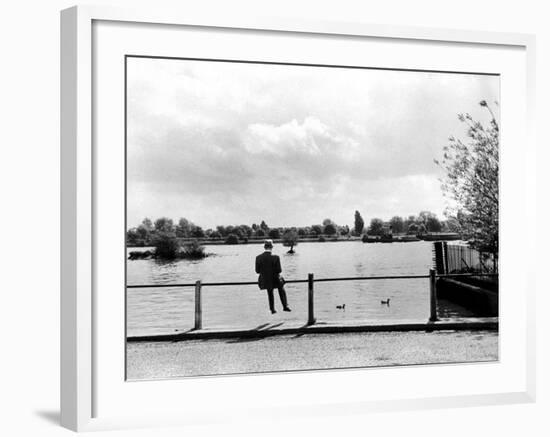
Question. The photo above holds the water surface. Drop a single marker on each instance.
(167, 310)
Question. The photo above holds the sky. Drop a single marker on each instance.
(224, 143)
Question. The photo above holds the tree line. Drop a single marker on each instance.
(425, 221)
(422, 223)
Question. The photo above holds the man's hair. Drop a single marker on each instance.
(268, 244)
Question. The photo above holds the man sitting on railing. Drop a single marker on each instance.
(268, 266)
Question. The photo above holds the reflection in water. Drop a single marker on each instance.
(164, 310)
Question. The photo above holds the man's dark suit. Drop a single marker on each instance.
(268, 266)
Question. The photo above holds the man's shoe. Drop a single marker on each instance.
(273, 311)
(287, 309)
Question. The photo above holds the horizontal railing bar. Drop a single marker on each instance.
(209, 284)
(303, 281)
(466, 275)
(291, 281)
(366, 278)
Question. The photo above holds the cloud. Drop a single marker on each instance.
(311, 137)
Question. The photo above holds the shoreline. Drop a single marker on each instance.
(298, 328)
(397, 239)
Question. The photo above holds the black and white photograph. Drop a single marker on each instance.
(293, 217)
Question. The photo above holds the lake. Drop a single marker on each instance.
(167, 310)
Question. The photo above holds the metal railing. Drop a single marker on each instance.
(467, 259)
(198, 285)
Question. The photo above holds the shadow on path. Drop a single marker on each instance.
(266, 327)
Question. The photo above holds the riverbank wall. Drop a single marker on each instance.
(478, 292)
(289, 328)
(481, 297)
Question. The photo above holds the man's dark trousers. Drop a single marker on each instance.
(282, 296)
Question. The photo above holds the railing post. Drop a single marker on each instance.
(446, 256)
(433, 297)
(198, 305)
(310, 313)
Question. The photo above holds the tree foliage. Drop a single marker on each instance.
(429, 220)
(232, 239)
(164, 224)
(471, 181)
(140, 236)
(184, 228)
(397, 224)
(330, 229)
(359, 223)
(132, 237)
(197, 232)
(410, 220)
(376, 227)
(166, 245)
(215, 235)
(290, 239)
(433, 224)
(192, 249)
(147, 224)
(317, 229)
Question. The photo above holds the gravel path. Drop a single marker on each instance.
(303, 352)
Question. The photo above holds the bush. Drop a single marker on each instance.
(232, 239)
(215, 235)
(166, 245)
(290, 239)
(376, 227)
(317, 229)
(136, 254)
(365, 238)
(132, 237)
(197, 232)
(192, 249)
(322, 239)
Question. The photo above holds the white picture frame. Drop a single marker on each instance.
(79, 200)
